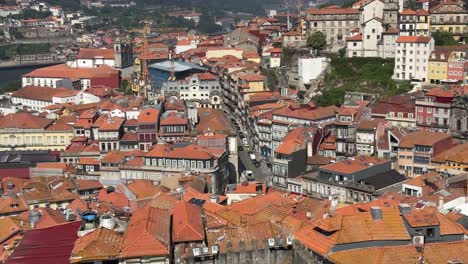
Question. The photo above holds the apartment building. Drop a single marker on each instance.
(164, 160)
(62, 75)
(38, 98)
(416, 151)
(449, 16)
(335, 23)
(203, 89)
(412, 57)
(109, 130)
(290, 156)
(398, 109)
(148, 123)
(24, 131)
(438, 67)
(433, 109)
(458, 67)
(414, 23)
(287, 118)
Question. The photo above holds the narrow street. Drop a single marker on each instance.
(261, 172)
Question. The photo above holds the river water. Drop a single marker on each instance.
(12, 74)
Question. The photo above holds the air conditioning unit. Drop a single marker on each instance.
(196, 252)
(214, 250)
(418, 240)
(289, 241)
(271, 242)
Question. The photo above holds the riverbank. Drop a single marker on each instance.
(6, 65)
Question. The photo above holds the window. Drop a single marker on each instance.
(430, 232)
(368, 36)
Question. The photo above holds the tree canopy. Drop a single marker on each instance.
(444, 38)
(317, 40)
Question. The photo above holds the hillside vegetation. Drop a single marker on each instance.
(373, 75)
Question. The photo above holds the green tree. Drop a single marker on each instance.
(207, 25)
(317, 40)
(31, 14)
(411, 4)
(444, 38)
(342, 52)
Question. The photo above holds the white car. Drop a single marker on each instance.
(245, 142)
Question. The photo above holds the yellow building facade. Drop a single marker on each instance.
(450, 16)
(438, 67)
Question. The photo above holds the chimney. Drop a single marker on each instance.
(441, 202)
(404, 208)
(376, 213)
(214, 198)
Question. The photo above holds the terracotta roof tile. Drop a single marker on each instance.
(64, 71)
(143, 188)
(294, 141)
(149, 115)
(357, 37)
(355, 164)
(148, 233)
(85, 53)
(413, 39)
(24, 121)
(187, 224)
(433, 253)
(41, 93)
(100, 244)
(422, 138)
(332, 11)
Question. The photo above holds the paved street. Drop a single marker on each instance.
(260, 173)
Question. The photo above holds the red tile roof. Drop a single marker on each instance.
(173, 119)
(355, 164)
(64, 71)
(148, 233)
(252, 77)
(49, 217)
(187, 224)
(95, 53)
(332, 11)
(413, 39)
(100, 244)
(149, 115)
(433, 253)
(41, 93)
(295, 140)
(193, 152)
(422, 138)
(46, 245)
(357, 37)
(451, 92)
(206, 76)
(143, 188)
(24, 121)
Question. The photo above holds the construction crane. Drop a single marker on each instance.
(299, 19)
(171, 57)
(142, 80)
